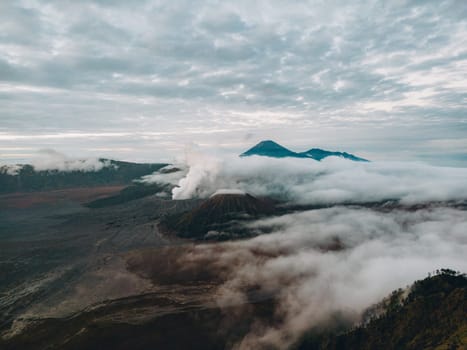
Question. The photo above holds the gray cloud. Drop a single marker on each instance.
(91, 66)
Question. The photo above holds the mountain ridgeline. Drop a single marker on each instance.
(272, 149)
(27, 179)
(115, 173)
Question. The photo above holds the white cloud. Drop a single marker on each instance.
(322, 262)
(333, 180)
(170, 174)
(10, 169)
(49, 159)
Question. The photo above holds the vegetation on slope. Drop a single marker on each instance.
(432, 316)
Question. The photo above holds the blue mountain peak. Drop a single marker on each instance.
(269, 148)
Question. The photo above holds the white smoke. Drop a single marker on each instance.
(333, 180)
(202, 169)
(170, 174)
(49, 159)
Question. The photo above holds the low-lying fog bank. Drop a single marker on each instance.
(306, 181)
(318, 264)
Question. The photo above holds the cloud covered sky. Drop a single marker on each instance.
(139, 81)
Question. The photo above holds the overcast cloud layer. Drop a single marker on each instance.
(386, 80)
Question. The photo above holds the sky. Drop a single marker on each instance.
(146, 80)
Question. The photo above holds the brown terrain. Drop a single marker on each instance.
(74, 277)
(80, 195)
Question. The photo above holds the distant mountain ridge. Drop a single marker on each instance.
(269, 148)
(28, 179)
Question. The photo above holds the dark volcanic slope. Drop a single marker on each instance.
(46, 248)
(433, 316)
(216, 214)
(130, 193)
(150, 321)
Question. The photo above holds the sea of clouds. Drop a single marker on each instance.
(328, 265)
(317, 263)
(333, 261)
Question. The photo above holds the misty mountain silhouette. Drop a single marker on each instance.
(216, 214)
(269, 148)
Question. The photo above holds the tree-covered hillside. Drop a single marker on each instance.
(433, 316)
